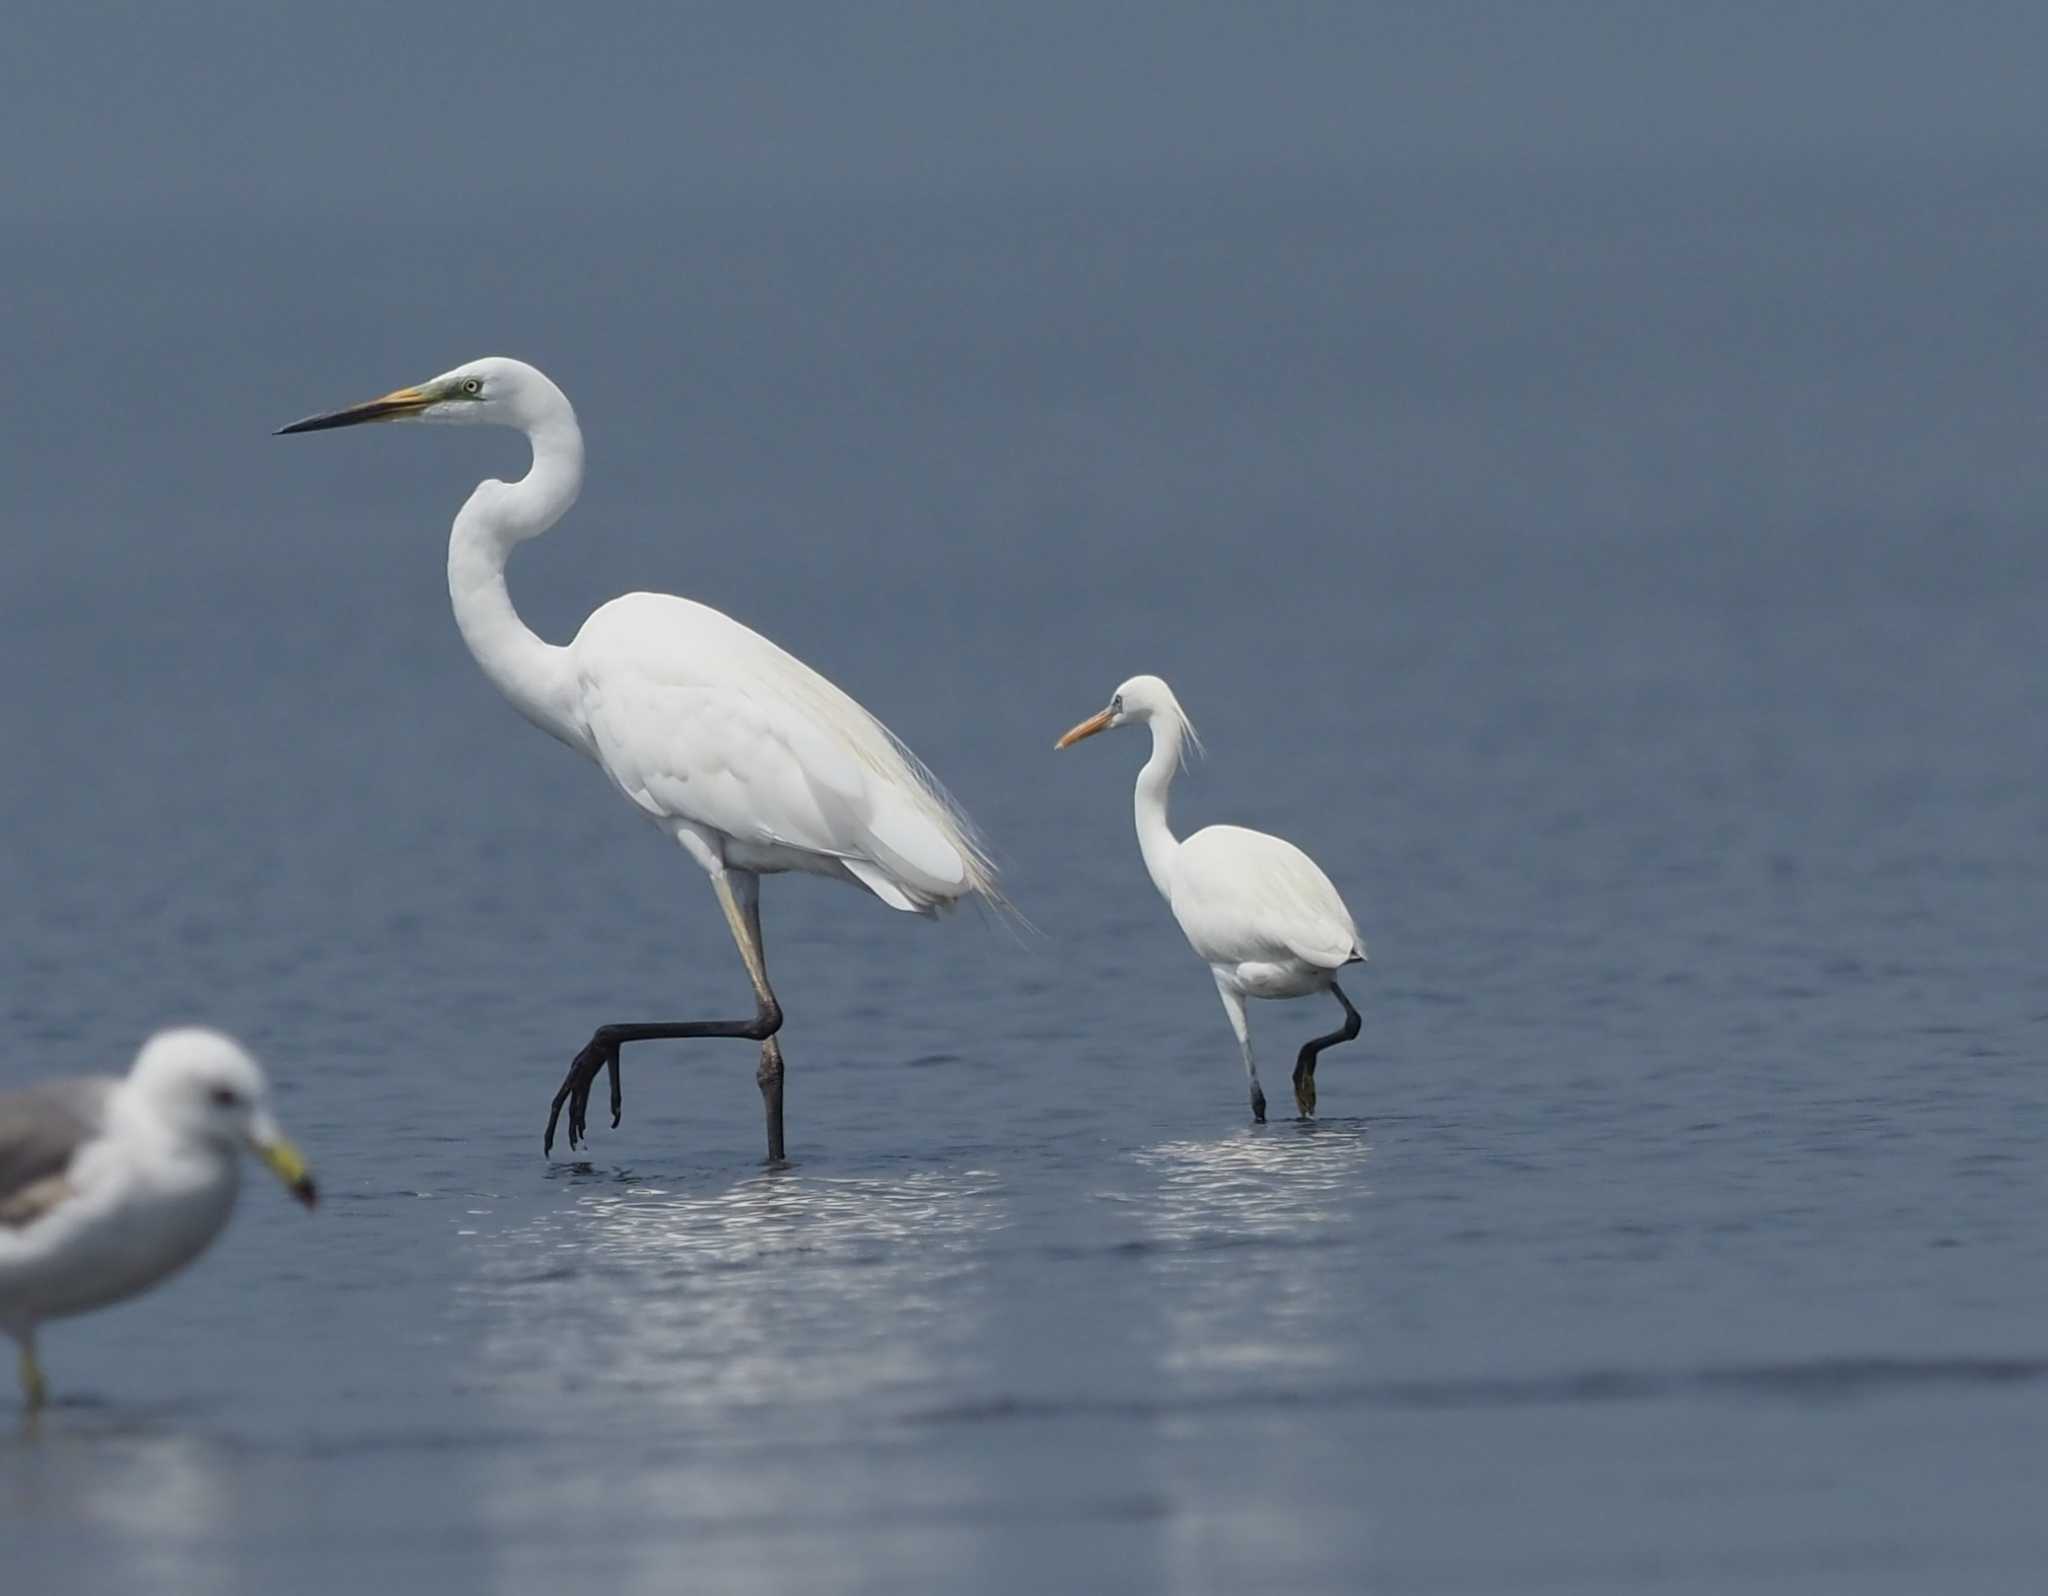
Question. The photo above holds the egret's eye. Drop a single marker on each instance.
(225, 1096)
(472, 386)
(1116, 704)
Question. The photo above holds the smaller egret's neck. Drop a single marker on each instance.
(532, 673)
(1156, 840)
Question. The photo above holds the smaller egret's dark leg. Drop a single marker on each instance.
(1233, 1005)
(737, 891)
(1305, 1063)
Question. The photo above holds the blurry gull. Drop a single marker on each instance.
(107, 1186)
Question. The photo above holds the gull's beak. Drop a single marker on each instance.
(394, 406)
(1087, 728)
(285, 1161)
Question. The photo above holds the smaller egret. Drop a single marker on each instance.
(107, 1186)
(1263, 917)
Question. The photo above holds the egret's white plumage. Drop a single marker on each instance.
(107, 1186)
(743, 754)
(1258, 911)
(1246, 898)
(708, 725)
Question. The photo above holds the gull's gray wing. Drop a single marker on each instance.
(40, 1128)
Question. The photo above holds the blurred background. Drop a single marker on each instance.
(1579, 465)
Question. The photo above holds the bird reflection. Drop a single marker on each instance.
(1256, 1183)
(161, 1503)
(785, 1288)
(1281, 1197)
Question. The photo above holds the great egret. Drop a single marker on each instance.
(747, 757)
(107, 1186)
(1263, 917)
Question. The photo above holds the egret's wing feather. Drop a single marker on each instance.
(699, 719)
(878, 882)
(41, 1129)
(704, 752)
(1244, 896)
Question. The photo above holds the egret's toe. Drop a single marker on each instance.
(575, 1093)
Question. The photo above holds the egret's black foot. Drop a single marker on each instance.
(601, 1053)
(1258, 1106)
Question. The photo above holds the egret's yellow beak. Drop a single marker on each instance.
(1087, 728)
(394, 406)
(288, 1164)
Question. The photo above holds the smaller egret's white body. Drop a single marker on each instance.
(109, 1186)
(1258, 910)
(1255, 908)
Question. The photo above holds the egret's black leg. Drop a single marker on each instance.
(1233, 1005)
(769, 1078)
(602, 1053)
(1305, 1063)
(768, 1075)
(739, 895)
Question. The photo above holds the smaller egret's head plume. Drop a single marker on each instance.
(1137, 702)
(493, 391)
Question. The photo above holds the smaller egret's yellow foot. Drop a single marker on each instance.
(35, 1390)
(1305, 1095)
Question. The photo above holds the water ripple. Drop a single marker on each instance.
(1819, 1380)
(784, 1288)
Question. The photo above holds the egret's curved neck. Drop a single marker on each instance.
(534, 674)
(1156, 840)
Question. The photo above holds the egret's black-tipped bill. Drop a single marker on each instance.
(392, 406)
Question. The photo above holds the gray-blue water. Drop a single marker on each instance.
(1630, 591)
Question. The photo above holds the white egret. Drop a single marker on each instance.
(741, 753)
(107, 1186)
(1263, 917)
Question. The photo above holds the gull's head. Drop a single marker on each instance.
(493, 391)
(205, 1088)
(1137, 702)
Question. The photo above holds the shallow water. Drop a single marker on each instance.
(1632, 597)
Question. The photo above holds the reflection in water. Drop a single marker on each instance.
(784, 1287)
(1281, 1195)
(1255, 1232)
(742, 1346)
(1285, 1181)
(162, 1505)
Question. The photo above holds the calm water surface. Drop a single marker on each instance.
(1633, 598)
